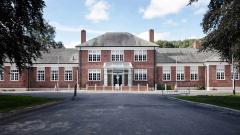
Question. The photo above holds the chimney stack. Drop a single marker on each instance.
(151, 35)
(196, 44)
(83, 36)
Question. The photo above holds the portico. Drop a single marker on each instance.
(118, 74)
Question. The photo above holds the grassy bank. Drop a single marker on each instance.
(224, 101)
(10, 103)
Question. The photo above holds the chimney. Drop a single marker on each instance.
(151, 35)
(83, 36)
(196, 44)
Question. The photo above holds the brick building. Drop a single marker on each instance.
(120, 59)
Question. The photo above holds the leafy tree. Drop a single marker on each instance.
(175, 44)
(23, 31)
(221, 23)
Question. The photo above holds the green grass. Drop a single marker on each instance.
(9, 103)
(224, 101)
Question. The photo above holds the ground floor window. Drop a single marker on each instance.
(140, 74)
(94, 74)
(220, 72)
(1, 75)
(40, 74)
(68, 74)
(166, 73)
(14, 75)
(236, 73)
(194, 73)
(54, 74)
(180, 73)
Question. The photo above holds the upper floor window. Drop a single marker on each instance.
(140, 55)
(68, 74)
(236, 73)
(220, 69)
(14, 74)
(140, 74)
(94, 74)
(180, 73)
(54, 73)
(194, 73)
(1, 74)
(40, 74)
(94, 55)
(166, 73)
(117, 55)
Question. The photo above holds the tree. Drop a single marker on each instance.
(221, 23)
(21, 27)
(175, 44)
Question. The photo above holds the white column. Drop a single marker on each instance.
(105, 77)
(130, 77)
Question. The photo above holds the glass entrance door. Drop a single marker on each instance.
(117, 79)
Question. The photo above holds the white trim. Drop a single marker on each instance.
(116, 48)
(119, 53)
(179, 64)
(138, 72)
(220, 69)
(94, 71)
(55, 65)
(68, 69)
(95, 52)
(40, 69)
(142, 53)
(54, 69)
(194, 70)
(180, 70)
(166, 70)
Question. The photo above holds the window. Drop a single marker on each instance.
(1, 75)
(14, 74)
(40, 74)
(94, 74)
(166, 73)
(117, 55)
(68, 74)
(194, 73)
(180, 73)
(140, 55)
(94, 55)
(236, 74)
(140, 74)
(54, 73)
(220, 72)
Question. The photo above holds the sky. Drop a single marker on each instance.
(170, 19)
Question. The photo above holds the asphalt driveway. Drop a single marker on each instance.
(123, 114)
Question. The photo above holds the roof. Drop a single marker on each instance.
(117, 39)
(66, 55)
(185, 55)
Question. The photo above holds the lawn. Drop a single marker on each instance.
(225, 101)
(10, 103)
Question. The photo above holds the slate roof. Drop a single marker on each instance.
(185, 55)
(117, 39)
(66, 55)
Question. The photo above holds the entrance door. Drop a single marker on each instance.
(117, 79)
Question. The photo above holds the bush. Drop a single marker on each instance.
(200, 87)
(162, 87)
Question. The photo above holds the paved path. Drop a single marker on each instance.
(123, 114)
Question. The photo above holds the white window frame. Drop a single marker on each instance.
(194, 73)
(68, 74)
(14, 74)
(220, 72)
(237, 75)
(180, 73)
(166, 73)
(94, 55)
(1, 75)
(94, 74)
(40, 74)
(140, 75)
(54, 73)
(117, 55)
(140, 55)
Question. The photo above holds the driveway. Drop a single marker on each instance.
(123, 114)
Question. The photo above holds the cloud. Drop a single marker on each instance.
(159, 8)
(157, 35)
(170, 22)
(77, 29)
(98, 10)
